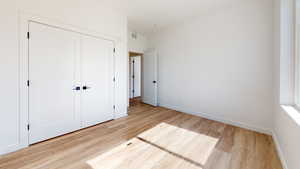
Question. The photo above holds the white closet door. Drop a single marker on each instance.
(97, 72)
(53, 55)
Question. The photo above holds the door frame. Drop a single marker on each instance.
(24, 19)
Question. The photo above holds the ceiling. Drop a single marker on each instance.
(148, 16)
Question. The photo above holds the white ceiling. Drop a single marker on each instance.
(147, 16)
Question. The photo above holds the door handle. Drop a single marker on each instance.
(85, 87)
(77, 88)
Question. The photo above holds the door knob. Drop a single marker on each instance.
(154, 81)
(85, 87)
(77, 88)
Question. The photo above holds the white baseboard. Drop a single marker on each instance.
(279, 151)
(120, 115)
(226, 121)
(12, 148)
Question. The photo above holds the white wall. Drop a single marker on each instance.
(138, 45)
(92, 15)
(220, 64)
(286, 128)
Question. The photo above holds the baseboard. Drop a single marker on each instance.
(12, 148)
(226, 121)
(120, 115)
(279, 151)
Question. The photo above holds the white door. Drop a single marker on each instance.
(137, 76)
(135, 79)
(97, 73)
(150, 77)
(53, 55)
(131, 75)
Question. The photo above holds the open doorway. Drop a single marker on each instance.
(135, 78)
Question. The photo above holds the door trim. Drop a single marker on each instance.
(24, 19)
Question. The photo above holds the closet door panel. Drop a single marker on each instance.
(53, 60)
(97, 72)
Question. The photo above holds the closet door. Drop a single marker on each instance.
(53, 56)
(97, 73)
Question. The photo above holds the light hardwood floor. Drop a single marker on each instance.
(151, 138)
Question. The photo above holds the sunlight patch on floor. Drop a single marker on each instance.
(162, 145)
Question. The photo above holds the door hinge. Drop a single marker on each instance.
(133, 62)
(28, 35)
(114, 79)
(114, 50)
(114, 107)
(28, 127)
(28, 83)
